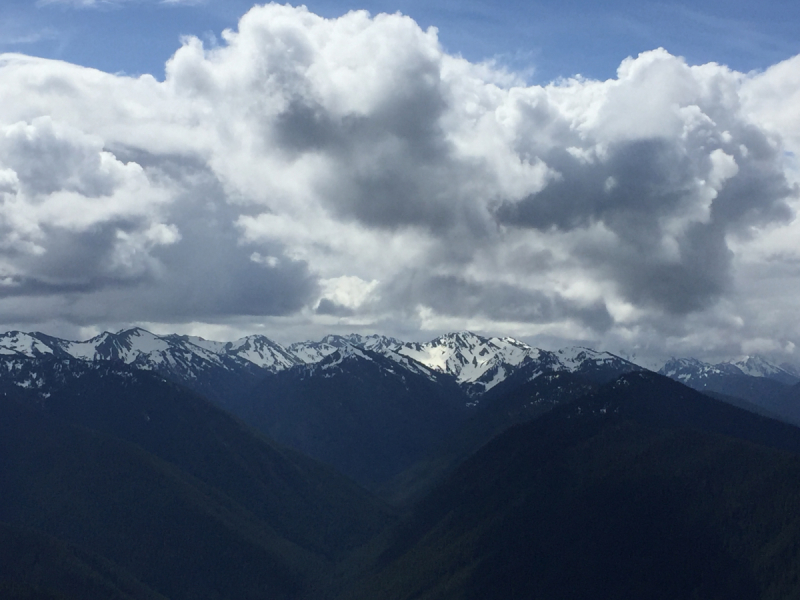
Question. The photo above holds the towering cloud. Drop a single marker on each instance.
(350, 169)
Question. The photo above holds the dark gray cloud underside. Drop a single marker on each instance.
(456, 296)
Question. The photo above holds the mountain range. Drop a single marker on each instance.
(119, 466)
(752, 383)
(369, 406)
(481, 367)
(476, 363)
(142, 466)
(374, 406)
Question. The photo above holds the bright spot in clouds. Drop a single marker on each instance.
(307, 168)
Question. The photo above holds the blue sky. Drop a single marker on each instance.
(544, 40)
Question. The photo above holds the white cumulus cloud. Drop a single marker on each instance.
(308, 167)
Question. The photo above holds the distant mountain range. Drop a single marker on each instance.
(691, 370)
(353, 401)
(752, 383)
(370, 406)
(476, 363)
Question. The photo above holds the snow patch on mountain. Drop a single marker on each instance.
(758, 366)
(577, 357)
(209, 345)
(343, 353)
(691, 370)
(311, 352)
(262, 352)
(26, 344)
(471, 358)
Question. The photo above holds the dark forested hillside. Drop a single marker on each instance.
(645, 489)
(38, 566)
(171, 490)
(119, 484)
(300, 498)
(363, 415)
(493, 415)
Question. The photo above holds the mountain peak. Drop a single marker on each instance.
(137, 331)
(461, 338)
(691, 369)
(688, 369)
(758, 366)
(471, 358)
(25, 344)
(345, 351)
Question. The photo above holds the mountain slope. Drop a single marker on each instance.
(523, 403)
(768, 393)
(644, 489)
(357, 410)
(168, 487)
(302, 500)
(37, 566)
(111, 498)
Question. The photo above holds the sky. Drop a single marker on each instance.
(623, 177)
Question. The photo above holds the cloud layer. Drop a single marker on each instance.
(348, 171)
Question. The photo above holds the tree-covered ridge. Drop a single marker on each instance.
(173, 491)
(630, 492)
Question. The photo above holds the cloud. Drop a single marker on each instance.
(457, 296)
(72, 215)
(329, 307)
(350, 168)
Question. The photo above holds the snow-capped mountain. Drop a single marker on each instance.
(692, 371)
(761, 384)
(342, 354)
(137, 347)
(255, 349)
(479, 364)
(476, 363)
(17, 343)
(184, 355)
(344, 351)
(594, 364)
(471, 358)
(394, 397)
(758, 366)
(218, 370)
(376, 343)
(311, 352)
(577, 358)
(696, 373)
